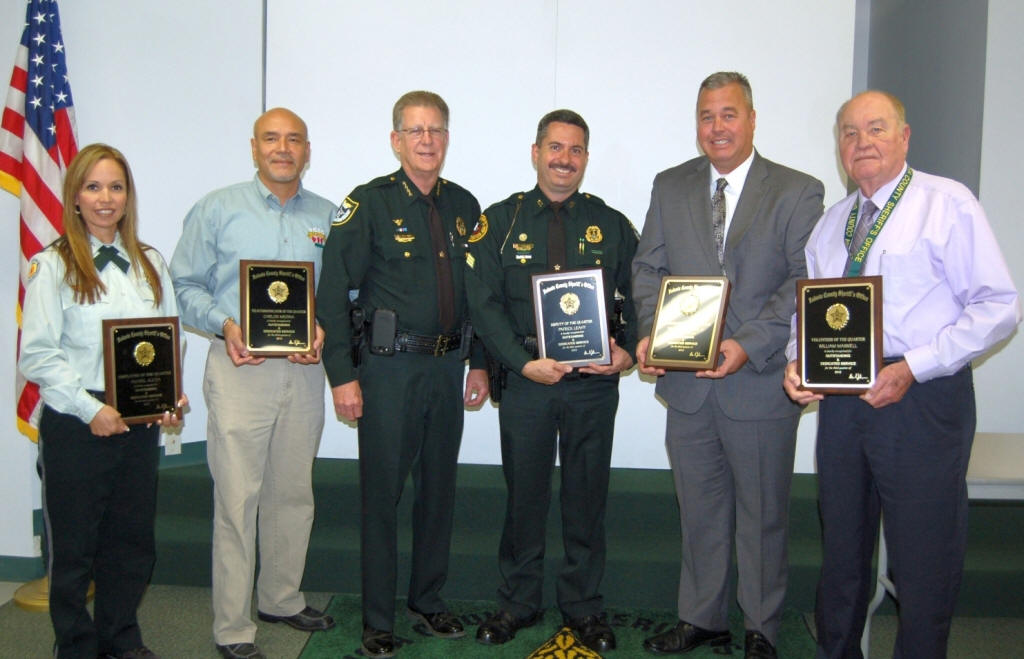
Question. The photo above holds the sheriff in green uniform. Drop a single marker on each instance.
(546, 404)
(401, 241)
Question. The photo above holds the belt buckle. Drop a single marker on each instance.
(441, 344)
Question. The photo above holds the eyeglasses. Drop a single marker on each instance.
(418, 132)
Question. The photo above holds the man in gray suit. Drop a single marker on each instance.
(731, 431)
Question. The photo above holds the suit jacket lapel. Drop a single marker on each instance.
(749, 204)
(698, 202)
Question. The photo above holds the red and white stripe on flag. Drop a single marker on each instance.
(37, 141)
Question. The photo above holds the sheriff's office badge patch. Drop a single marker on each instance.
(317, 236)
(33, 268)
(345, 212)
(480, 230)
(460, 225)
(563, 645)
(593, 234)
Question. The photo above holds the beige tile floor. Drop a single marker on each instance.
(7, 589)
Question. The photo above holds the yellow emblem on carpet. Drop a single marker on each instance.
(563, 645)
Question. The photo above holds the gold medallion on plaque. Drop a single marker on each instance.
(278, 291)
(570, 303)
(144, 353)
(837, 316)
(689, 304)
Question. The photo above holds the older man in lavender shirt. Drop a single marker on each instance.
(901, 449)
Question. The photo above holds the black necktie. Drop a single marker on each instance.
(718, 220)
(108, 254)
(443, 266)
(556, 238)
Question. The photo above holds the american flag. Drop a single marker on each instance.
(37, 141)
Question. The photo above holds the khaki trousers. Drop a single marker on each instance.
(264, 425)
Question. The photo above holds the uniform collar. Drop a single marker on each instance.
(537, 202)
(409, 190)
(95, 244)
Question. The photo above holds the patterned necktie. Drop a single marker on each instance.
(556, 238)
(867, 215)
(108, 254)
(864, 222)
(443, 266)
(718, 219)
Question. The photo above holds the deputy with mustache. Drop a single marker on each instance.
(547, 404)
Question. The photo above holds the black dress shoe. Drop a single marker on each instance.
(377, 643)
(240, 651)
(502, 626)
(685, 637)
(306, 620)
(442, 624)
(593, 632)
(756, 646)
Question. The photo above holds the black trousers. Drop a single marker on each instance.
(907, 461)
(576, 416)
(412, 423)
(99, 503)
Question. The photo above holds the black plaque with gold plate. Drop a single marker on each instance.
(572, 322)
(278, 313)
(688, 323)
(142, 367)
(839, 333)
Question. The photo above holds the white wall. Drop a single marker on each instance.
(631, 69)
(997, 377)
(177, 85)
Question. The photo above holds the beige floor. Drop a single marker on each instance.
(7, 589)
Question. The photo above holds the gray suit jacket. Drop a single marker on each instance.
(764, 256)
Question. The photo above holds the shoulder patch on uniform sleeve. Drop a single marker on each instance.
(345, 212)
(480, 230)
(33, 268)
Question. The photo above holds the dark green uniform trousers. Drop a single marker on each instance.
(578, 416)
(412, 421)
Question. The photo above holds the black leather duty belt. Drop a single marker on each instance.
(430, 344)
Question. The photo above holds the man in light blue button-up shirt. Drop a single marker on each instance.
(265, 416)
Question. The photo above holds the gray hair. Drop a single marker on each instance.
(723, 78)
(418, 99)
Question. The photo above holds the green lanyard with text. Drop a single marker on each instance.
(857, 262)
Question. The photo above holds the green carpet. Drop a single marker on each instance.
(631, 627)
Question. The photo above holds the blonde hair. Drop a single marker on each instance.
(74, 248)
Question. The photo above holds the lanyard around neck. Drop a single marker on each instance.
(857, 261)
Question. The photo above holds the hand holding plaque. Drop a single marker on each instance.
(278, 307)
(839, 333)
(572, 322)
(688, 323)
(142, 367)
